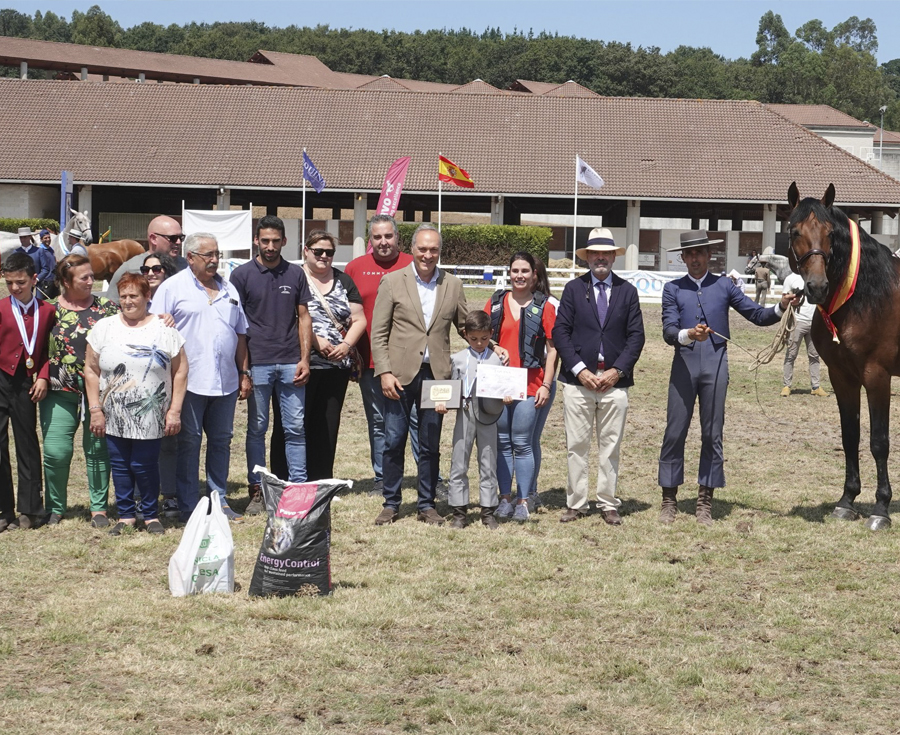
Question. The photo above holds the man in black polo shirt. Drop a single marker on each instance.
(274, 294)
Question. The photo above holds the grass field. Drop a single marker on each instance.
(775, 620)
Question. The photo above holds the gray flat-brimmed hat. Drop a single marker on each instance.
(694, 239)
(77, 234)
(599, 240)
(25, 232)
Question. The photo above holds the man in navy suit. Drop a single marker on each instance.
(695, 322)
(599, 335)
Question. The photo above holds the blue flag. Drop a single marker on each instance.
(312, 175)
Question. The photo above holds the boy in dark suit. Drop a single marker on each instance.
(25, 324)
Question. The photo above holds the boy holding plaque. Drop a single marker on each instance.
(476, 425)
(25, 324)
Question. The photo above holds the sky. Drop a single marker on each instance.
(728, 27)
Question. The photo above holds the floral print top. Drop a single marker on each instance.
(68, 343)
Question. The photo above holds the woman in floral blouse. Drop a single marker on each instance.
(77, 311)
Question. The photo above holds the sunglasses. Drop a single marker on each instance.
(173, 239)
(157, 269)
(319, 252)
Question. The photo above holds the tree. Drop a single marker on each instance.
(95, 28)
(860, 35)
(14, 24)
(772, 39)
(815, 35)
(50, 27)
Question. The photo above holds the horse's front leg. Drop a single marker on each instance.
(847, 392)
(878, 393)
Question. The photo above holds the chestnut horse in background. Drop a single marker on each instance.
(105, 257)
(865, 350)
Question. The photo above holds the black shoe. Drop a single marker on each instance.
(118, 529)
(100, 521)
(8, 521)
(155, 527)
(54, 519)
(256, 506)
(30, 520)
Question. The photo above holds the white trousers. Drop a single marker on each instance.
(583, 411)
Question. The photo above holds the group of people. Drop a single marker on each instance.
(163, 358)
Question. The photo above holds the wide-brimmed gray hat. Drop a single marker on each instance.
(694, 239)
(599, 240)
(77, 234)
(25, 232)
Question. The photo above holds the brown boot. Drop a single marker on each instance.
(458, 519)
(669, 505)
(487, 517)
(704, 505)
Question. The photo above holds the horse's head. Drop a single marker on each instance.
(81, 221)
(810, 240)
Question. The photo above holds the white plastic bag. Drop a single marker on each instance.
(204, 559)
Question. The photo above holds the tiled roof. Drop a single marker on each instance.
(385, 84)
(571, 89)
(707, 150)
(525, 85)
(889, 137)
(818, 116)
(476, 87)
(307, 71)
(124, 62)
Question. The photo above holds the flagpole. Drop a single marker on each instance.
(575, 222)
(440, 191)
(303, 216)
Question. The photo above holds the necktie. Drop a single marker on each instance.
(601, 302)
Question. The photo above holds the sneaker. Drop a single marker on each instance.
(170, 508)
(521, 512)
(505, 510)
(786, 391)
(256, 506)
(54, 519)
(230, 514)
(819, 392)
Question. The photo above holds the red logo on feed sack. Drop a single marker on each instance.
(296, 501)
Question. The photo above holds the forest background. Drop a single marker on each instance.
(812, 65)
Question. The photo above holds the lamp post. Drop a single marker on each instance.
(882, 110)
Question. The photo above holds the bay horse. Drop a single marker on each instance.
(105, 257)
(859, 340)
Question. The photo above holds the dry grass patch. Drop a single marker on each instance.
(776, 620)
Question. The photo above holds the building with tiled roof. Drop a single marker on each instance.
(711, 161)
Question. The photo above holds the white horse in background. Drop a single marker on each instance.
(9, 241)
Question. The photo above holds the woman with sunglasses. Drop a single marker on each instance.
(338, 323)
(157, 268)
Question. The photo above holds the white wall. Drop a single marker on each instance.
(29, 200)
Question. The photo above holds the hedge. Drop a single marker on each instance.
(485, 244)
(12, 224)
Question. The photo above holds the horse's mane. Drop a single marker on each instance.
(877, 269)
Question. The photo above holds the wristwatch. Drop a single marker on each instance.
(621, 373)
(246, 372)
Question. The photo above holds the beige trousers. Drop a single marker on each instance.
(584, 410)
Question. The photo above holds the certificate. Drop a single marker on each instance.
(496, 381)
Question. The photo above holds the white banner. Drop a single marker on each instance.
(232, 228)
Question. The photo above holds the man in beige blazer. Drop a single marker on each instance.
(414, 310)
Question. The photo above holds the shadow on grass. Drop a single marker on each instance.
(822, 512)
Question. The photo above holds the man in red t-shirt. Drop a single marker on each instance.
(366, 272)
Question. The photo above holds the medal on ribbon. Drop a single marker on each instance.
(18, 310)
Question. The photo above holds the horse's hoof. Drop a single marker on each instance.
(845, 514)
(876, 523)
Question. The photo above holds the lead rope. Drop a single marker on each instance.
(765, 356)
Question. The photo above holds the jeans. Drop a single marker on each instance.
(215, 416)
(373, 403)
(540, 418)
(515, 432)
(397, 419)
(135, 466)
(277, 379)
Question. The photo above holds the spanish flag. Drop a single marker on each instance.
(453, 174)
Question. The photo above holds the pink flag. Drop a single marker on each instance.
(391, 189)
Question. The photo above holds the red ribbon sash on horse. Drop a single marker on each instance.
(847, 286)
